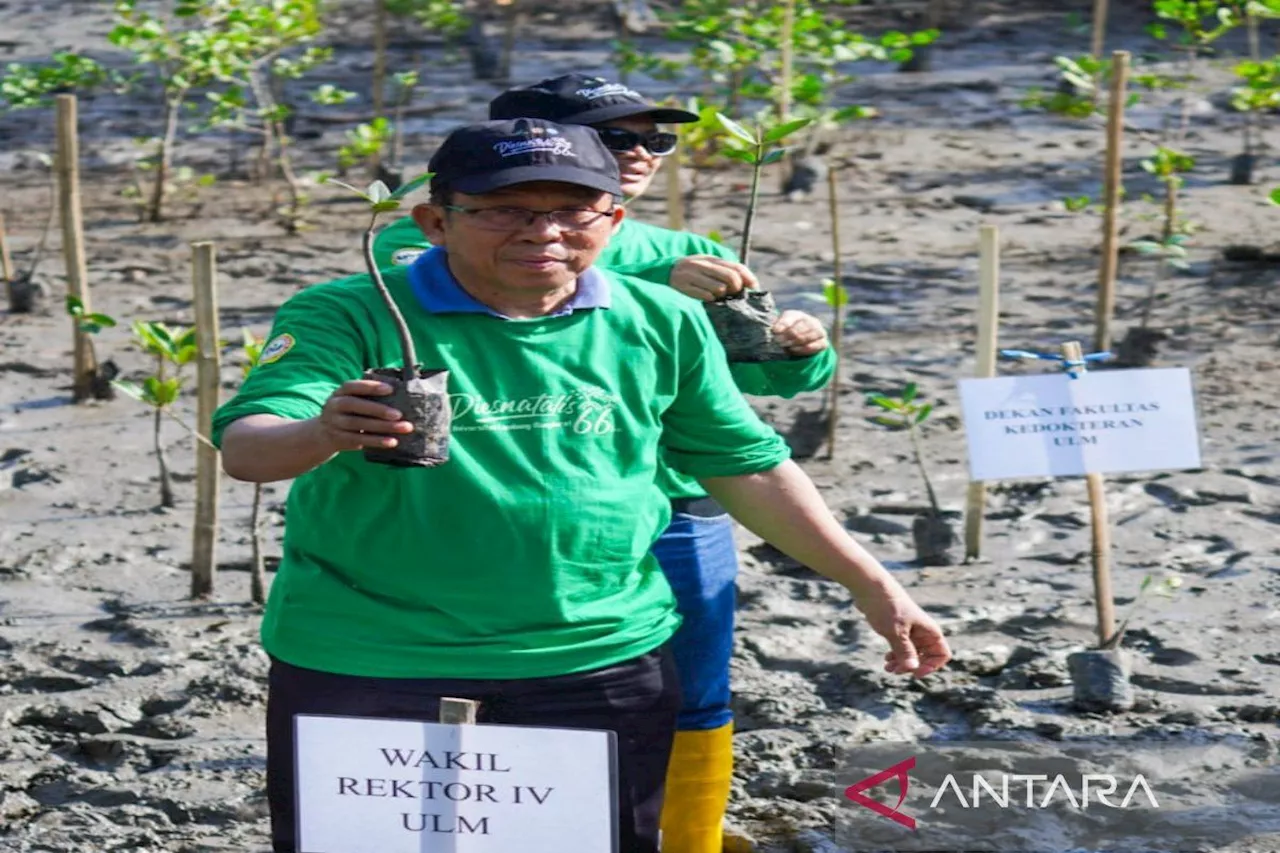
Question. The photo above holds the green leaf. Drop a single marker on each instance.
(773, 156)
(837, 296)
(76, 308)
(104, 321)
(909, 393)
(886, 421)
(349, 188)
(377, 192)
(782, 131)
(409, 186)
(129, 389)
(1274, 197)
(923, 414)
(887, 403)
(736, 129)
(740, 155)
(385, 206)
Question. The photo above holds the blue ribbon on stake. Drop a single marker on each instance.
(1070, 366)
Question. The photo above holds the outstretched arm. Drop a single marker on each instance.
(783, 507)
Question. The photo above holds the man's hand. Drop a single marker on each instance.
(351, 421)
(917, 645)
(800, 334)
(709, 278)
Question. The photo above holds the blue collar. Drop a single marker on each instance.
(440, 293)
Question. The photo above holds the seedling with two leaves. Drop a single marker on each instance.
(744, 321)
(933, 534)
(421, 395)
(173, 349)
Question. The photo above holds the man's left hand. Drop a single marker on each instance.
(917, 644)
(800, 334)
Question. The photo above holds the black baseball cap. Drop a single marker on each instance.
(480, 158)
(581, 99)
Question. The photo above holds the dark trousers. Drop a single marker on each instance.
(638, 699)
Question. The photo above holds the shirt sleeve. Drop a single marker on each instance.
(315, 345)
(710, 430)
(658, 270)
(785, 378)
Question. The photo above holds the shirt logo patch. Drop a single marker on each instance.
(406, 256)
(276, 350)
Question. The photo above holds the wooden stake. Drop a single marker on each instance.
(1099, 27)
(837, 311)
(379, 71)
(511, 23)
(988, 332)
(6, 264)
(1104, 603)
(204, 280)
(1111, 199)
(67, 167)
(675, 197)
(460, 712)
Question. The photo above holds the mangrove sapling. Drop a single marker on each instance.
(173, 349)
(744, 321)
(932, 532)
(1100, 676)
(421, 395)
(27, 294)
(1259, 95)
(100, 387)
(252, 347)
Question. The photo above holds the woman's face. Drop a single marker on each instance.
(637, 166)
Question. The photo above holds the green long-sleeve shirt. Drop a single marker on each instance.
(528, 553)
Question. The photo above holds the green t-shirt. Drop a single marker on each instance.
(648, 252)
(527, 554)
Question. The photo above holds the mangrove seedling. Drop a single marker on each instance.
(27, 294)
(1166, 587)
(421, 395)
(744, 321)
(933, 534)
(1259, 95)
(252, 347)
(89, 324)
(173, 348)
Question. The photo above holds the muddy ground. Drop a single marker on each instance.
(131, 717)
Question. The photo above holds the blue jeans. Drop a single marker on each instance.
(700, 560)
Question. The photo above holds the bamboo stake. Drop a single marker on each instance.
(988, 333)
(6, 264)
(1111, 199)
(1104, 603)
(511, 23)
(461, 712)
(675, 199)
(837, 310)
(204, 280)
(1099, 27)
(379, 71)
(67, 167)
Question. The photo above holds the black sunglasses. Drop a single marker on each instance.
(659, 143)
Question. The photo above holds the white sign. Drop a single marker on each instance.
(1053, 425)
(397, 786)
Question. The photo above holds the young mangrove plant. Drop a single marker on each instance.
(90, 324)
(744, 321)
(932, 532)
(421, 395)
(1259, 96)
(173, 348)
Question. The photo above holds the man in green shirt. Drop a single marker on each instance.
(519, 573)
(697, 550)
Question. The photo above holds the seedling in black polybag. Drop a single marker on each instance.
(420, 394)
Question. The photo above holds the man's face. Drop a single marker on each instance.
(537, 257)
(637, 166)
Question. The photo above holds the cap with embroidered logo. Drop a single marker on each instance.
(480, 158)
(582, 99)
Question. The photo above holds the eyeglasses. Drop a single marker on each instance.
(657, 142)
(515, 218)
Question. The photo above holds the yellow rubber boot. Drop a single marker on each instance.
(698, 779)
